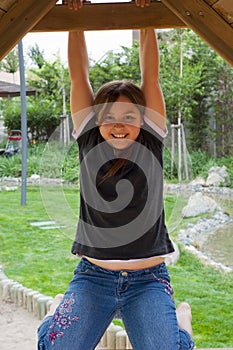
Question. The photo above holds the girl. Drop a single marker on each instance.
(121, 234)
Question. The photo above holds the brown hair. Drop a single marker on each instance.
(111, 91)
(106, 96)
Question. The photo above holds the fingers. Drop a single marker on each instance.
(77, 4)
(74, 4)
(142, 3)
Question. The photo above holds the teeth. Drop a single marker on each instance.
(119, 136)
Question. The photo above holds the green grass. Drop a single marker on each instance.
(41, 259)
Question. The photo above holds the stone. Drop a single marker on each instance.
(198, 181)
(199, 204)
(218, 176)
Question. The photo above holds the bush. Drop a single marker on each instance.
(54, 160)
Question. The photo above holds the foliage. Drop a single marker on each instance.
(116, 66)
(223, 107)
(179, 79)
(50, 160)
(44, 109)
(70, 169)
(228, 163)
(10, 63)
(54, 160)
(201, 163)
(10, 166)
(197, 85)
(37, 56)
(41, 118)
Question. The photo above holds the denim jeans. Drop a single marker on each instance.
(143, 298)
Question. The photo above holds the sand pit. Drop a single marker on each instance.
(18, 328)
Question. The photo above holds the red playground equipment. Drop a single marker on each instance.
(13, 145)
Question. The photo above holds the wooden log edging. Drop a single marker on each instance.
(33, 301)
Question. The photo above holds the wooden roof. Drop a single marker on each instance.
(212, 20)
(13, 90)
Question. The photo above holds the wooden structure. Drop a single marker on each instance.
(13, 90)
(212, 20)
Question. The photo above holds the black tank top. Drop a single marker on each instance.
(121, 215)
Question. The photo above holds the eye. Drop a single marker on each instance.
(108, 119)
(129, 119)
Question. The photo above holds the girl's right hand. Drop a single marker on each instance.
(142, 3)
(73, 4)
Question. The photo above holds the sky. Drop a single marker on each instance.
(98, 43)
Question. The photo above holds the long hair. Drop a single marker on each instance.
(105, 97)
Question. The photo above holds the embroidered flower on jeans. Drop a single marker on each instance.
(65, 307)
(62, 320)
(54, 335)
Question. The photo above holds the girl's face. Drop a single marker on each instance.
(121, 124)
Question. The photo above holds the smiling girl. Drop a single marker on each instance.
(121, 236)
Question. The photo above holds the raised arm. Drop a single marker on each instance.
(81, 94)
(150, 65)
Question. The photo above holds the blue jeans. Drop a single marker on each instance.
(143, 298)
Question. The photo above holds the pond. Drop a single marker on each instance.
(219, 245)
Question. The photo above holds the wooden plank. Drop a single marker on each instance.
(211, 2)
(6, 4)
(2, 13)
(20, 18)
(108, 16)
(225, 9)
(207, 23)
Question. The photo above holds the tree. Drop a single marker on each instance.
(116, 65)
(205, 81)
(180, 78)
(10, 63)
(223, 111)
(44, 109)
(36, 56)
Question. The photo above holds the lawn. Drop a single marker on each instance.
(40, 258)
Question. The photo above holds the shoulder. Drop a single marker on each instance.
(152, 132)
(87, 125)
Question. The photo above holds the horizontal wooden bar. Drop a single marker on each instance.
(108, 16)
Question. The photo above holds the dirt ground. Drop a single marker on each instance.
(18, 328)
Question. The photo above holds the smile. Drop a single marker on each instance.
(119, 136)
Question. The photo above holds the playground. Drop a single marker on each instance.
(21, 310)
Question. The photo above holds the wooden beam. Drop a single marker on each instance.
(207, 23)
(2, 13)
(225, 9)
(108, 16)
(19, 19)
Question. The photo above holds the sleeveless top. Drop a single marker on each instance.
(122, 215)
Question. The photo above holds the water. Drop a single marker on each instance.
(219, 245)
